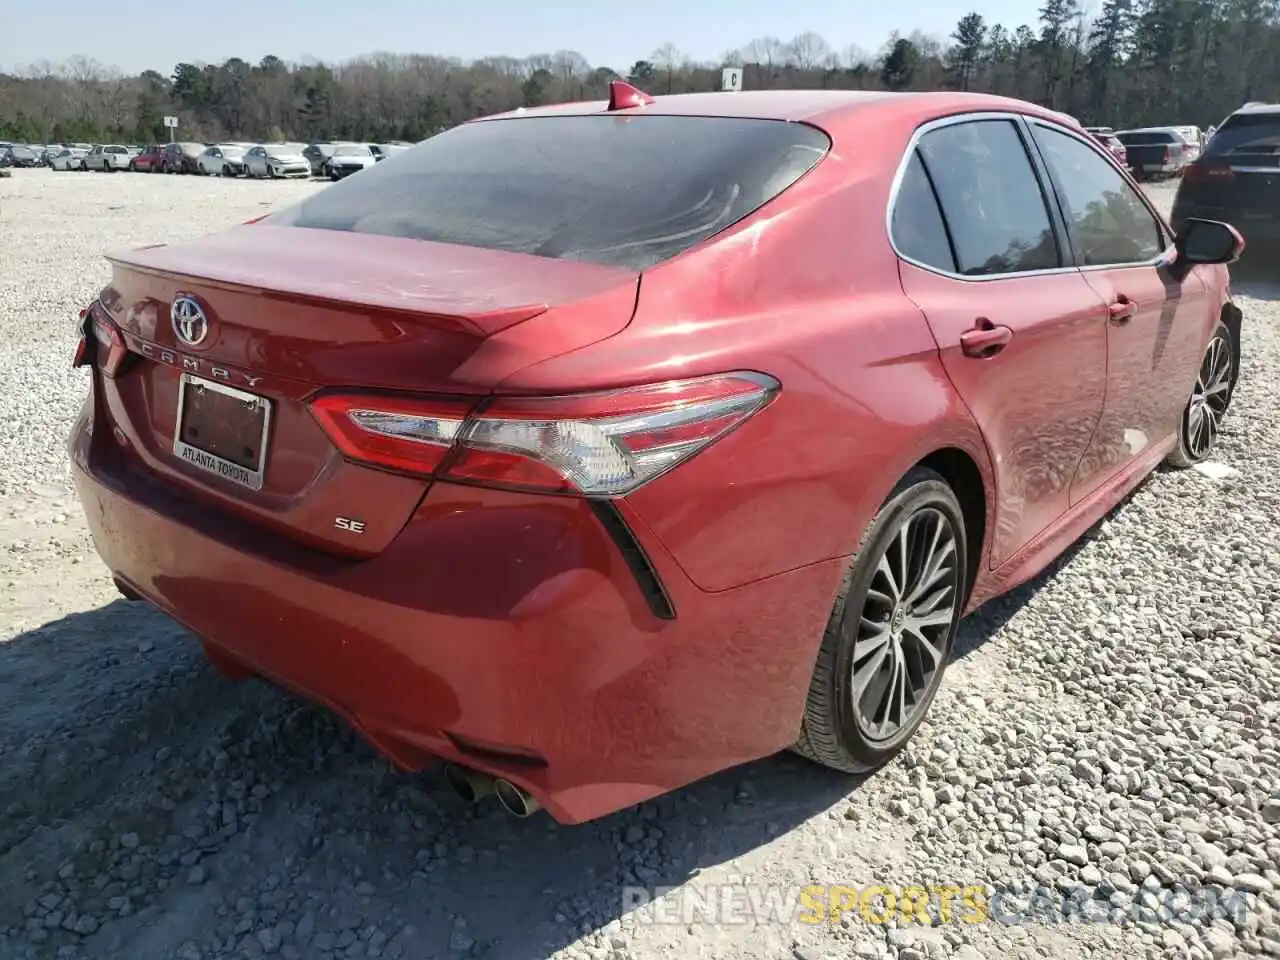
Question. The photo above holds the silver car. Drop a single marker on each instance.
(69, 159)
(277, 160)
(348, 159)
(222, 160)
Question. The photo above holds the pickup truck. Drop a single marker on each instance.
(1155, 152)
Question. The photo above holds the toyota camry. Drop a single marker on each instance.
(595, 448)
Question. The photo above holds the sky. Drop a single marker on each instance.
(138, 36)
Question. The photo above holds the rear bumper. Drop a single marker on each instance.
(504, 631)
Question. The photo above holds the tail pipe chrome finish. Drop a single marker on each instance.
(515, 800)
(471, 785)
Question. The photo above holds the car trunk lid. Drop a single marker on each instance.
(287, 312)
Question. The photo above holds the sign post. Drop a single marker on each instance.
(731, 79)
(172, 124)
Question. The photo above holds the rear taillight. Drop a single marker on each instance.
(598, 444)
(100, 342)
(1199, 172)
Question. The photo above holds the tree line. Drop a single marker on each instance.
(1130, 63)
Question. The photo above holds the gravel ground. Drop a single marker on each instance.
(1112, 729)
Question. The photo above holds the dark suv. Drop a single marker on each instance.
(1238, 178)
(182, 157)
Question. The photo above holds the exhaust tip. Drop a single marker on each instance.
(515, 800)
(471, 785)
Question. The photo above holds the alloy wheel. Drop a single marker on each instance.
(904, 627)
(1209, 398)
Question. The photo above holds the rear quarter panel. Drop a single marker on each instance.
(807, 290)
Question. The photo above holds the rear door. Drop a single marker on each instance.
(1022, 335)
(1157, 323)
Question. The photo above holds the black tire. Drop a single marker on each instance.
(133, 166)
(835, 732)
(226, 170)
(1201, 420)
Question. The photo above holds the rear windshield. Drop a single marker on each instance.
(1139, 139)
(114, 150)
(627, 191)
(1247, 133)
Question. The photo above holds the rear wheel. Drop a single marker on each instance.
(1210, 397)
(890, 635)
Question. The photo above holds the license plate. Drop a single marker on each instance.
(222, 430)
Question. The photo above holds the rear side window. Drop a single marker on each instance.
(918, 230)
(628, 191)
(991, 198)
(1247, 133)
(1145, 139)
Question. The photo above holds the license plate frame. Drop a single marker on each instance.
(212, 463)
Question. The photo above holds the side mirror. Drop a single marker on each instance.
(1209, 241)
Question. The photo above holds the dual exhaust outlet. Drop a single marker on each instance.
(473, 786)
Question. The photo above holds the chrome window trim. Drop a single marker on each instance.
(1019, 120)
(939, 124)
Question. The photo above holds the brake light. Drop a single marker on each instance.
(100, 340)
(597, 444)
(1199, 172)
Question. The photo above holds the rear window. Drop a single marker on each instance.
(115, 150)
(1247, 133)
(1141, 139)
(627, 191)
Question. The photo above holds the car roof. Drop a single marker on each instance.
(818, 107)
(1259, 108)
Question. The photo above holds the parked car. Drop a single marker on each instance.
(1155, 152)
(183, 157)
(1194, 138)
(277, 160)
(1238, 179)
(48, 153)
(108, 158)
(348, 159)
(317, 155)
(223, 160)
(69, 159)
(1113, 146)
(21, 155)
(150, 160)
(381, 151)
(567, 515)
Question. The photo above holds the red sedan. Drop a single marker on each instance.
(150, 160)
(599, 447)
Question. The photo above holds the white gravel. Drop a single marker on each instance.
(1112, 729)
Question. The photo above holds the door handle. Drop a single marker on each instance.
(985, 339)
(1122, 310)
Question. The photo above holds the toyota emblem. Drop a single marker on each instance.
(190, 325)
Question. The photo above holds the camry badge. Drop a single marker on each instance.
(187, 318)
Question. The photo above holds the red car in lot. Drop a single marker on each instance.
(150, 160)
(596, 448)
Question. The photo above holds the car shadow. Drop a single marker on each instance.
(159, 745)
(1259, 281)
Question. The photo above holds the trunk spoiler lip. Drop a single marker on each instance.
(480, 324)
(477, 319)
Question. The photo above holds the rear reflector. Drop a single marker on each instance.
(599, 444)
